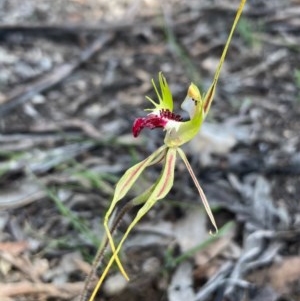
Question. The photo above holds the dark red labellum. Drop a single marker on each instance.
(153, 121)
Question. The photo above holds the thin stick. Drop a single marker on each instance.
(25, 93)
(101, 251)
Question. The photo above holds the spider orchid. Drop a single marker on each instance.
(178, 132)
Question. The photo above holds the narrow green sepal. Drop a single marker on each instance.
(164, 95)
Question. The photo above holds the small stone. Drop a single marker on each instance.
(151, 265)
(81, 85)
(114, 285)
(38, 99)
(2, 98)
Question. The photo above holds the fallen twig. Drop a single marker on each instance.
(63, 29)
(101, 252)
(64, 291)
(25, 93)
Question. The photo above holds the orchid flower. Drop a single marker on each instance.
(178, 132)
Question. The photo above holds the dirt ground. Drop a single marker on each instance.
(73, 77)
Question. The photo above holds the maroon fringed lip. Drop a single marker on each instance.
(153, 121)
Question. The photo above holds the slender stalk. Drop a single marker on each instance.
(101, 251)
(139, 200)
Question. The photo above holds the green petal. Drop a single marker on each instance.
(200, 191)
(161, 189)
(122, 187)
(130, 177)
